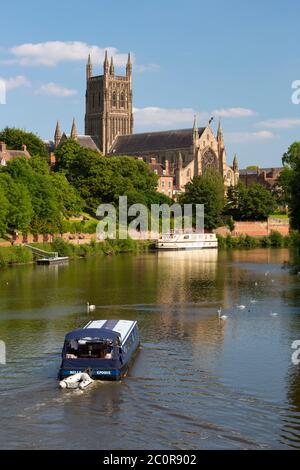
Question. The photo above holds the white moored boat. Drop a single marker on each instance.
(187, 241)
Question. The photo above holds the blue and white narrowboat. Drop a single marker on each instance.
(104, 347)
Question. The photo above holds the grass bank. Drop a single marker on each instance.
(20, 255)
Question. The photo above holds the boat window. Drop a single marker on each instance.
(86, 349)
(187, 237)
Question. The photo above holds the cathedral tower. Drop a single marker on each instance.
(108, 104)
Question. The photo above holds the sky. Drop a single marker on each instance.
(229, 59)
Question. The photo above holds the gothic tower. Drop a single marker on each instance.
(108, 104)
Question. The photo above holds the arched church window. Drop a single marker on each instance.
(209, 161)
(122, 100)
(114, 99)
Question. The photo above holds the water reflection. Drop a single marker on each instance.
(198, 382)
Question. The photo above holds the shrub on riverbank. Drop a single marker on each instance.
(108, 247)
(275, 239)
(14, 255)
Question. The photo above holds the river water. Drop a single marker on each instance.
(197, 383)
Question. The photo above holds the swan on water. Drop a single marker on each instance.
(241, 307)
(221, 317)
(90, 307)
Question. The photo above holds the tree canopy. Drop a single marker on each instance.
(103, 179)
(290, 182)
(208, 190)
(15, 138)
(251, 203)
(35, 200)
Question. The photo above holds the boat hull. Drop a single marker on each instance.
(96, 374)
(101, 372)
(181, 247)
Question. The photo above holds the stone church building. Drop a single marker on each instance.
(109, 127)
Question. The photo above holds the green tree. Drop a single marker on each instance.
(290, 182)
(46, 210)
(20, 210)
(15, 138)
(251, 203)
(4, 206)
(208, 190)
(67, 155)
(70, 203)
(291, 158)
(102, 180)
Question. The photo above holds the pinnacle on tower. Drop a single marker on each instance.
(106, 64)
(235, 165)
(129, 65)
(74, 133)
(195, 129)
(57, 135)
(112, 67)
(220, 130)
(89, 68)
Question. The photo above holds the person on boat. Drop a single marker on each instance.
(109, 352)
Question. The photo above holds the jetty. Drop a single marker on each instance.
(47, 257)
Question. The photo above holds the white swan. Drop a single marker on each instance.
(221, 317)
(90, 308)
(241, 307)
(274, 314)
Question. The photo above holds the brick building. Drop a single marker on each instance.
(267, 177)
(165, 178)
(6, 155)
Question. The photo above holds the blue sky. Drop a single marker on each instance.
(231, 59)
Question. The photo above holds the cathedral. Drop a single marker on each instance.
(180, 154)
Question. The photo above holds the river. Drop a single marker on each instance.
(197, 383)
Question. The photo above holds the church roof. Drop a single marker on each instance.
(136, 144)
(85, 141)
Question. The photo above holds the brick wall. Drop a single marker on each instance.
(257, 229)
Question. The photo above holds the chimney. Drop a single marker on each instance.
(2, 147)
(24, 148)
(167, 168)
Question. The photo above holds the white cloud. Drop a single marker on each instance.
(55, 90)
(234, 113)
(166, 117)
(53, 52)
(241, 137)
(285, 123)
(16, 82)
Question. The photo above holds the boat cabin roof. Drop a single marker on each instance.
(103, 330)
